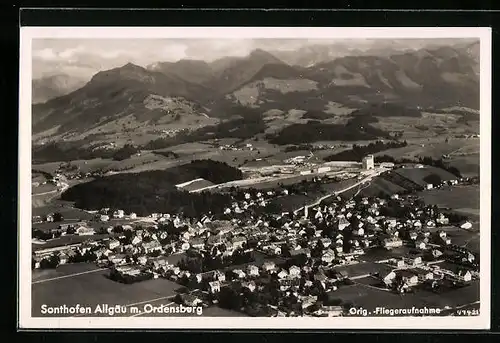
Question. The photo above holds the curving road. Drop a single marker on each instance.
(64, 187)
(368, 178)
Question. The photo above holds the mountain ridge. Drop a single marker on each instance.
(162, 93)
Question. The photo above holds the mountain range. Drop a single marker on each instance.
(53, 86)
(193, 93)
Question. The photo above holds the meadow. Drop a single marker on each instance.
(95, 288)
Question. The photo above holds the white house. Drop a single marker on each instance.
(294, 271)
(409, 278)
(343, 223)
(466, 225)
(420, 245)
(467, 276)
(253, 270)
(85, 231)
(326, 242)
(389, 278)
(151, 246)
(390, 243)
(113, 244)
(249, 285)
(359, 231)
(328, 256)
(118, 214)
(214, 286)
(136, 240)
(269, 266)
(282, 274)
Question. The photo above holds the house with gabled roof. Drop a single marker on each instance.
(252, 270)
(214, 287)
(283, 274)
(151, 246)
(269, 266)
(328, 256)
(239, 273)
(342, 223)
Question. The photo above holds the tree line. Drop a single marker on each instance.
(155, 191)
(359, 151)
(426, 160)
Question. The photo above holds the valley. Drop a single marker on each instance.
(264, 184)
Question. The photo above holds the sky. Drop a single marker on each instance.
(84, 57)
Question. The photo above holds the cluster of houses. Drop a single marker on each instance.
(300, 251)
(408, 273)
(261, 199)
(247, 146)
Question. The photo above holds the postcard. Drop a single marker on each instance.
(254, 178)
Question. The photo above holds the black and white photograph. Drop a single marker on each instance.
(255, 177)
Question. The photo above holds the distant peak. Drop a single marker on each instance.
(258, 52)
(130, 65)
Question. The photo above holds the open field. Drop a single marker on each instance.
(295, 201)
(419, 175)
(378, 254)
(462, 237)
(456, 198)
(363, 268)
(63, 207)
(91, 289)
(48, 187)
(135, 161)
(467, 165)
(68, 240)
(83, 165)
(376, 186)
(434, 147)
(63, 270)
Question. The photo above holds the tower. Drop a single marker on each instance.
(368, 162)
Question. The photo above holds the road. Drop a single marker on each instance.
(56, 191)
(368, 178)
(68, 276)
(256, 181)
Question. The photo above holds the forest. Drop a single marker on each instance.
(359, 151)
(356, 129)
(155, 191)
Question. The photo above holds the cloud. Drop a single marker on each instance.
(111, 54)
(45, 54)
(89, 56)
(72, 52)
(172, 52)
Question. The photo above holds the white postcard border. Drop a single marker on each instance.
(25, 319)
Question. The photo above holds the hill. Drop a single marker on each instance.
(232, 73)
(195, 99)
(193, 71)
(50, 87)
(314, 130)
(129, 97)
(440, 76)
(424, 77)
(423, 176)
(155, 191)
(402, 181)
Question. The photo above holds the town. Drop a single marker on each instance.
(288, 262)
